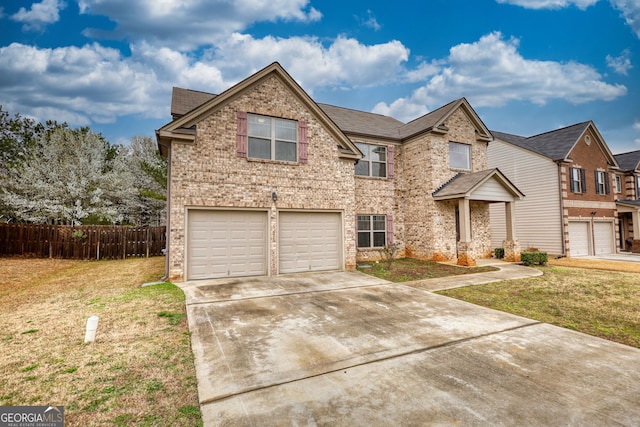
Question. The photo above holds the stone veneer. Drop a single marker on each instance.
(208, 173)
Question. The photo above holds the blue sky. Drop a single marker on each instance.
(526, 66)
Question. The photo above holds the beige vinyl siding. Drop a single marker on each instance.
(492, 190)
(538, 215)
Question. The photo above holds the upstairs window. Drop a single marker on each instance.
(374, 162)
(638, 187)
(602, 182)
(577, 179)
(272, 139)
(372, 231)
(459, 156)
(617, 184)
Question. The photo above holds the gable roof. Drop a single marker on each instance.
(435, 121)
(630, 161)
(463, 185)
(181, 128)
(185, 100)
(356, 122)
(558, 144)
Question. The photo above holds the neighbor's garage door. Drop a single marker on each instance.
(309, 241)
(226, 243)
(603, 233)
(579, 238)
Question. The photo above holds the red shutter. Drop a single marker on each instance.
(390, 164)
(389, 229)
(303, 145)
(241, 138)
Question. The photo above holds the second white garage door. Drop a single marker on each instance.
(603, 233)
(309, 241)
(579, 238)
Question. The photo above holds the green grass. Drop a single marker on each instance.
(600, 303)
(409, 269)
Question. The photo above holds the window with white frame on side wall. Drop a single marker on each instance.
(459, 156)
(377, 161)
(602, 182)
(374, 231)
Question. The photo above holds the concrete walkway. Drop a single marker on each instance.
(347, 349)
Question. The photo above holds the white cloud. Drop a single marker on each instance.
(96, 84)
(311, 63)
(40, 14)
(491, 72)
(636, 125)
(188, 25)
(630, 8)
(550, 4)
(370, 21)
(631, 12)
(620, 64)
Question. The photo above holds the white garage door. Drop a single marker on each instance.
(579, 238)
(309, 241)
(226, 244)
(603, 233)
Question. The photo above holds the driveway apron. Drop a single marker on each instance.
(344, 348)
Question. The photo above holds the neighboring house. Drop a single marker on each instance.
(568, 176)
(263, 180)
(627, 184)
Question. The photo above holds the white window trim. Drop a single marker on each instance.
(601, 187)
(369, 160)
(578, 181)
(371, 231)
(467, 153)
(617, 180)
(272, 138)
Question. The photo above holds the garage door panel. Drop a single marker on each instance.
(226, 243)
(579, 238)
(603, 234)
(309, 241)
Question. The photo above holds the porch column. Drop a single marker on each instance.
(635, 218)
(511, 245)
(465, 245)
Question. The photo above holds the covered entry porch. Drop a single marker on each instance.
(489, 186)
(629, 220)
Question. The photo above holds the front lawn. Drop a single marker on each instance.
(140, 369)
(600, 303)
(409, 269)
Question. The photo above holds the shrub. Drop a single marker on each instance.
(533, 258)
(498, 253)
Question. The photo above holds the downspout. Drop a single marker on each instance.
(168, 217)
(562, 229)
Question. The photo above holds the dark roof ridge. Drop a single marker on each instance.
(559, 129)
(359, 111)
(434, 111)
(194, 90)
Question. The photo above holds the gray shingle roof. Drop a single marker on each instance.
(363, 123)
(629, 161)
(462, 183)
(185, 100)
(555, 144)
(348, 120)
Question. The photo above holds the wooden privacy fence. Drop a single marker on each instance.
(81, 242)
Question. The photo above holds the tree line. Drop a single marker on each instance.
(51, 173)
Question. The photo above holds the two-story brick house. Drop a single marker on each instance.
(263, 180)
(627, 184)
(569, 177)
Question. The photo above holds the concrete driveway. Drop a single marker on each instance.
(346, 349)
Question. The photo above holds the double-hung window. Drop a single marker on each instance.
(638, 187)
(618, 184)
(577, 180)
(602, 184)
(374, 162)
(459, 156)
(372, 231)
(271, 138)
